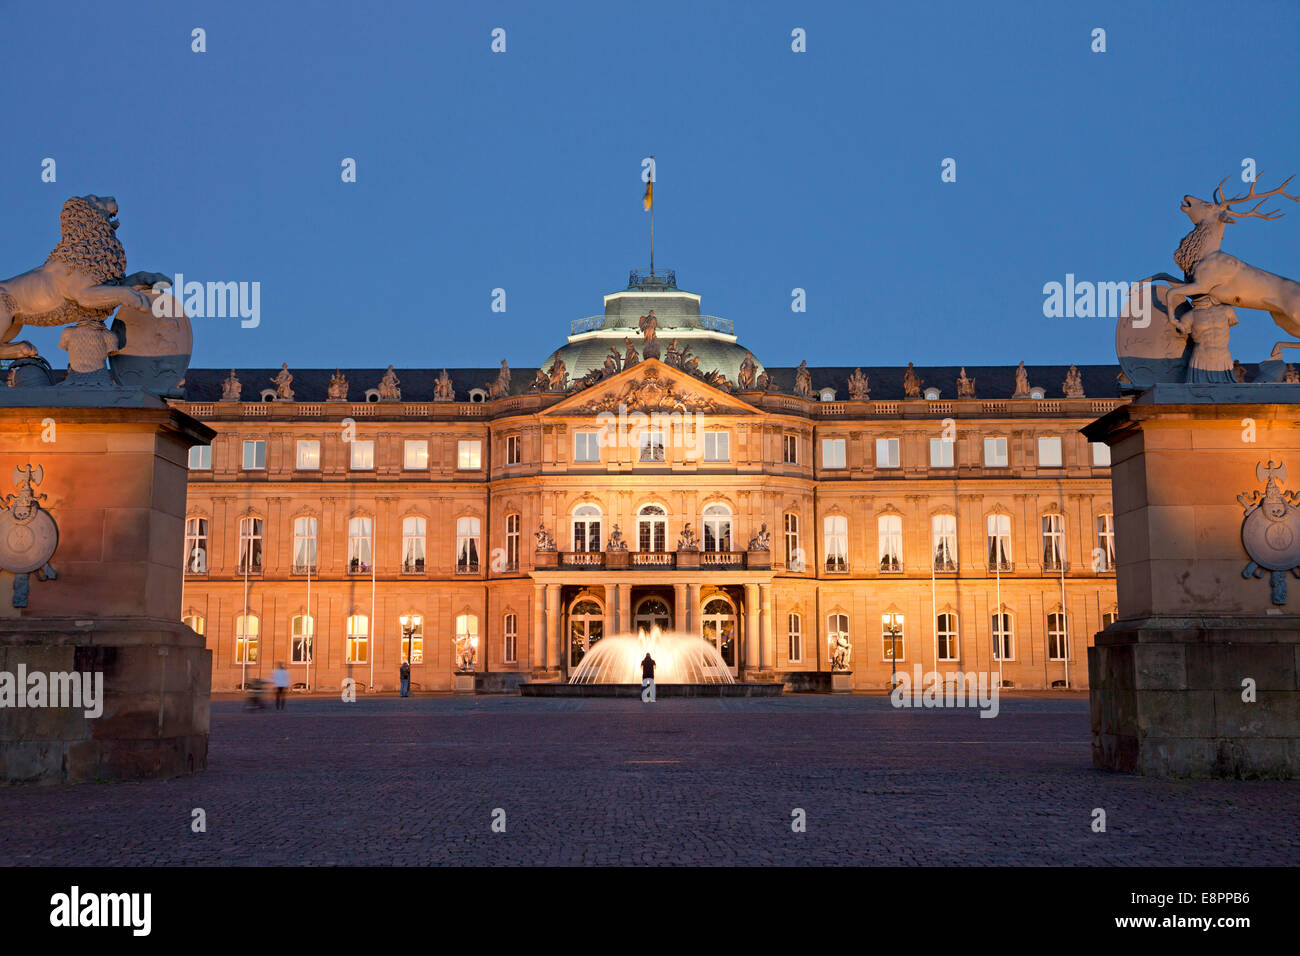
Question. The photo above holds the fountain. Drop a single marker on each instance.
(686, 665)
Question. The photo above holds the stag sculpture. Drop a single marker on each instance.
(1225, 278)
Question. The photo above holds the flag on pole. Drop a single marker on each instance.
(648, 199)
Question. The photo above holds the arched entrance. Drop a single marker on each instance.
(718, 627)
(651, 612)
(586, 627)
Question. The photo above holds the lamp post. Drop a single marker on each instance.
(893, 629)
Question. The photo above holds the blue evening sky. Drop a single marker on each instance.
(776, 170)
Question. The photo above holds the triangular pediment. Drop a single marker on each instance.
(651, 386)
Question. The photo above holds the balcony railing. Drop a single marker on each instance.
(582, 559)
(653, 559)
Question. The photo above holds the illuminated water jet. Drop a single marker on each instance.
(679, 659)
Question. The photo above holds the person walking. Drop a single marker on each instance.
(648, 679)
(280, 678)
(406, 679)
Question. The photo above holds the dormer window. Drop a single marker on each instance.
(931, 394)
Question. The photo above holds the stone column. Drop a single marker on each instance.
(693, 608)
(553, 635)
(539, 627)
(766, 644)
(624, 608)
(611, 618)
(751, 627)
(679, 608)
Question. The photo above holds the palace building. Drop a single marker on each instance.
(492, 524)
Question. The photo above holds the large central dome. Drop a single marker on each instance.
(710, 339)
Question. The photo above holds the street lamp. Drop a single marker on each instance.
(893, 629)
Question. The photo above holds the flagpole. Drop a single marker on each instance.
(652, 215)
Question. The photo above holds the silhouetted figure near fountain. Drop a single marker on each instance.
(647, 679)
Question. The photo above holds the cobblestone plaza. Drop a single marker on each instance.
(416, 781)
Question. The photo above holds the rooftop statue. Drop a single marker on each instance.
(390, 390)
(803, 380)
(1022, 382)
(649, 326)
(1072, 387)
(443, 389)
(501, 386)
(745, 377)
(630, 357)
(283, 382)
(338, 387)
(231, 388)
(859, 386)
(965, 386)
(912, 382)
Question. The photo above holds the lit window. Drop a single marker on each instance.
(1106, 542)
(717, 446)
(308, 455)
(512, 450)
(358, 632)
(792, 449)
(995, 453)
(652, 446)
(412, 638)
(512, 542)
(466, 642)
(833, 452)
(469, 455)
(196, 545)
(467, 545)
(412, 545)
(302, 629)
(891, 633)
(360, 545)
(195, 623)
(1053, 542)
(510, 627)
(943, 532)
(586, 528)
(246, 632)
(941, 452)
(1100, 454)
(886, 452)
(586, 446)
(890, 531)
(945, 630)
(363, 455)
(1109, 618)
(1049, 453)
(999, 551)
(250, 545)
(1004, 648)
(254, 455)
(837, 634)
(1058, 638)
(201, 458)
(794, 625)
(836, 529)
(415, 455)
(304, 545)
(717, 528)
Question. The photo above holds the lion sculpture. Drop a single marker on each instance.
(83, 278)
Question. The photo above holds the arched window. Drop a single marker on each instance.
(890, 529)
(304, 545)
(196, 545)
(718, 627)
(945, 632)
(586, 528)
(999, 552)
(361, 532)
(717, 528)
(302, 629)
(250, 545)
(651, 528)
(413, 528)
(195, 623)
(651, 612)
(467, 531)
(794, 626)
(246, 635)
(943, 533)
(412, 633)
(794, 560)
(358, 632)
(1004, 644)
(837, 543)
(466, 642)
(586, 627)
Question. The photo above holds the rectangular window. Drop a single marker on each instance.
(510, 654)
(1053, 542)
(999, 539)
(246, 634)
(1049, 453)
(415, 454)
(1004, 648)
(250, 545)
(363, 455)
(196, 545)
(833, 452)
(794, 559)
(586, 446)
(652, 446)
(469, 455)
(412, 638)
(254, 455)
(360, 545)
(886, 452)
(413, 545)
(467, 532)
(941, 452)
(837, 543)
(890, 532)
(304, 545)
(308, 456)
(792, 449)
(512, 450)
(1100, 454)
(717, 446)
(995, 453)
(201, 458)
(358, 631)
(301, 630)
(1105, 543)
(1058, 638)
(512, 542)
(891, 633)
(795, 624)
(943, 536)
(945, 630)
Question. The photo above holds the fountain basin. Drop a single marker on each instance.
(713, 689)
